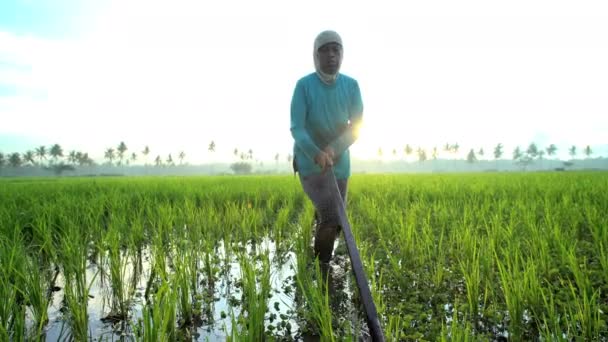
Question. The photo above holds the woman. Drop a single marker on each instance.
(326, 111)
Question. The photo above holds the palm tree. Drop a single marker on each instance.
(41, 153)
(145, 152)
(532, 150)
(517, 154)
(121, 149)
(572, 151)
(109, 155)
(471, 158)
(72, 157)
(276, 158)
(56, 152)
(498, 151)
(497, 154)
(480, 152)
(435, 153)
(455, 148)
(250, 154)
(28, 157)
(588, 151)
(133, 157)
(211, 147)
(236, 152)
(14, 159)
(158, 161)
(181, 157)
(170, 160)
(551, 149)
(421, 154)
(408, 150)
(83, 159)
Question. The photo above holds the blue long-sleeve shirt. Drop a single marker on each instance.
(323, 115)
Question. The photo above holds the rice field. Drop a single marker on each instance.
(452, 257)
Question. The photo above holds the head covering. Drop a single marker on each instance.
(323, 38)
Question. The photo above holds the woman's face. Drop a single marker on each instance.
(329, 58)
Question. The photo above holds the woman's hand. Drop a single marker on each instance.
(324, 160)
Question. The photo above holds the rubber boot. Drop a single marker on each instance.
(324, 242)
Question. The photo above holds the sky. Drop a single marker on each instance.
(175, 75)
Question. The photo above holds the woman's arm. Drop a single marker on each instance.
(351, 132)
(298, 123)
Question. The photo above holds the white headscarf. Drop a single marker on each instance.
(323, 38)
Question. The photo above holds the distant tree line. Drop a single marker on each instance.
(54, 159)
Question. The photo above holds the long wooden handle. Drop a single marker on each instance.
(366, 296)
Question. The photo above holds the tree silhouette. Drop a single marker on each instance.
(480, 152)
(551, 149)
(498, 151)
(109, 155)
(471, 158)
(72, 157)
(133, 157)
(455, 148)
(14, 159)
(572, 151)
(121, 149)
(408, 150)
(250, 154)
(145, 152)
(181, 157)
(435, 153)
(158, 161)
(41, 153)
(517, 154)
(56, 152)
(170, 160)
(532, 150)
(588, 151)
(28, 157)
(2, 159)
(421, 154)
(211, 147)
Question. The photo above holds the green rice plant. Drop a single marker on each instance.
(182, 280)
(256, 291)
(122, 288)
(470, 269)
(76, 289)
(509, 271)
(457, 331)
(36, 282)
(584, 314)
(548, 318)
(159, 316)
(314, 294)
(9, 306)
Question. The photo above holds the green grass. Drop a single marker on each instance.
(449, 257)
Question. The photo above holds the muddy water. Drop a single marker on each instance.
(223, 302)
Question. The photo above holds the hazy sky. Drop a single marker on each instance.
(175, 75)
